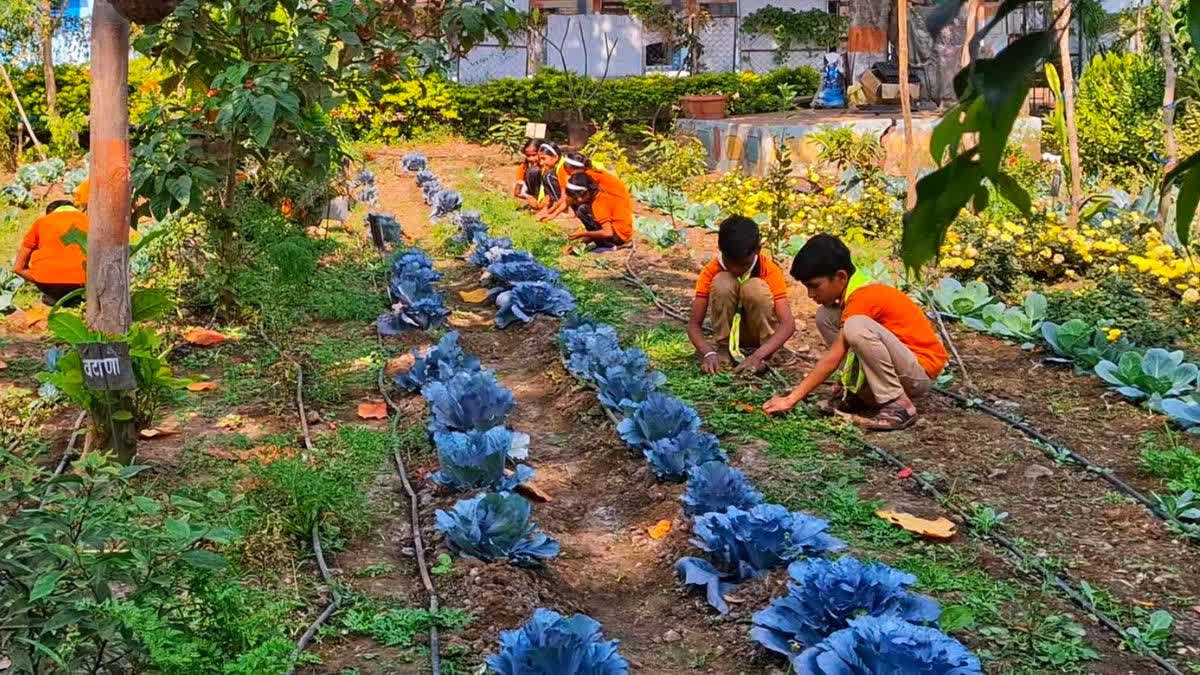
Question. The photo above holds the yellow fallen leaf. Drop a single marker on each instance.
(155, 432)
(941, 528)
(203, 337)
(202, 386)
(474, 297)
(399, 364)
(231, 421)
(661, 529)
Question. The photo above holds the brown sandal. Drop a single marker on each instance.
(890, 417)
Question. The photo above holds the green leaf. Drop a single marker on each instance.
(122, 416)
(132, 470)
(77, 237)
(45, 585)
(947, 134)
(69, 328)
(179, 530)
(264, 111)
(940, 196)
(53, 655)
(1011, 190)
(1193, 22)
(206, 560)
(146, 505)
(181, 189)
(148, 303)
(956, 617)
(1185, 205)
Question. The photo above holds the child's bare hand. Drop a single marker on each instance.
(778, 404)
(711, 364)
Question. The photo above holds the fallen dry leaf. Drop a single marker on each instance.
(661, 529)
(203, 337)
(474, 296)
(532, 493)
(468, 320)
(156, 432)
(942, 528)
(745, 407)
(30, 319)
(202, 386)
(372, 410)
(3, 365)
(399, 364)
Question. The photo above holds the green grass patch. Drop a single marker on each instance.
(1167, 459)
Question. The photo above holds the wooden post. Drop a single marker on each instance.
(109, 201)
(46, 28)
(1168, 109)
(910, 199)
(1062, 9)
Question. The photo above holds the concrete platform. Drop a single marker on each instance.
(749, 142)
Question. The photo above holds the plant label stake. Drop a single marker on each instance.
(535, 130)
(107, 366)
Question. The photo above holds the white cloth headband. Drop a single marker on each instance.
(573, 162)
(577, 188)
(549, 149)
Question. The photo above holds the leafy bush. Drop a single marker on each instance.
(403, 108)
(1157, 373)
(716, 486)
(1119, 301)
(415, 302)
(824, 596)
(445, 202)
(705, 215)
(467, 402)
(438, 364)
(588, 364)
(1013, 323)
(527, 299)
(743, 544)
(871, 645)
(794, 29)
(1117, 106)
(1082, 345)
(623, 389)
(549, 644)
(496, 526)
(476, 459)
(846, 148)
(672, 458)
(659, 417)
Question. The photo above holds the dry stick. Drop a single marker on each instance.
(435, 659)
(962, 365)
(658, 302)
(307, 435)
(332, 607)
(1022, 558)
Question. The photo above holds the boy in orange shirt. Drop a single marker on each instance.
(745, 293)
(54, 267)
(891, 351)
(607, 219)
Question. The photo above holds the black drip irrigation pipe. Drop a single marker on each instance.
(1056, 450)
(1023, 559)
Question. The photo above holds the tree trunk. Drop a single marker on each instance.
(109, 200)
(1168, 59)
(21, 111)
(47, 37)
(910, 175)
(1063, 10)
(972, 21)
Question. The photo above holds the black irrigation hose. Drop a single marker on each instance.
(1055, 450)
(1023, 559)
(332, 607)
(435, 659)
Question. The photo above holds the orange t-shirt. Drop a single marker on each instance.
(766, 270)
(521, 169)
(895, 311)
(616, 211)
(609, 182)
(52, 261)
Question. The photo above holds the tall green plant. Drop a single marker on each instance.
(671, 161)
(781, 211)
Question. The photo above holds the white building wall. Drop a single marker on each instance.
(586, 42)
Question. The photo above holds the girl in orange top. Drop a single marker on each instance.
(607, 219)
(528, 185)
(577, 162)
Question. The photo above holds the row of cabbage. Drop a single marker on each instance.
(475, 448)
(1156, 377)
(839, 616)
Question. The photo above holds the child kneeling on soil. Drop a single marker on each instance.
(891, 352)
(745, 294)
(528, 186)
(607, 219)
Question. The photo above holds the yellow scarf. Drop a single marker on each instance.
(853, 376)
(735, 327)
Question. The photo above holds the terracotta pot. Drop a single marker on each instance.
(144, 12)
(704, 107)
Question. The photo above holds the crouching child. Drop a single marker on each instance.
(890, 350)
(744, 293)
